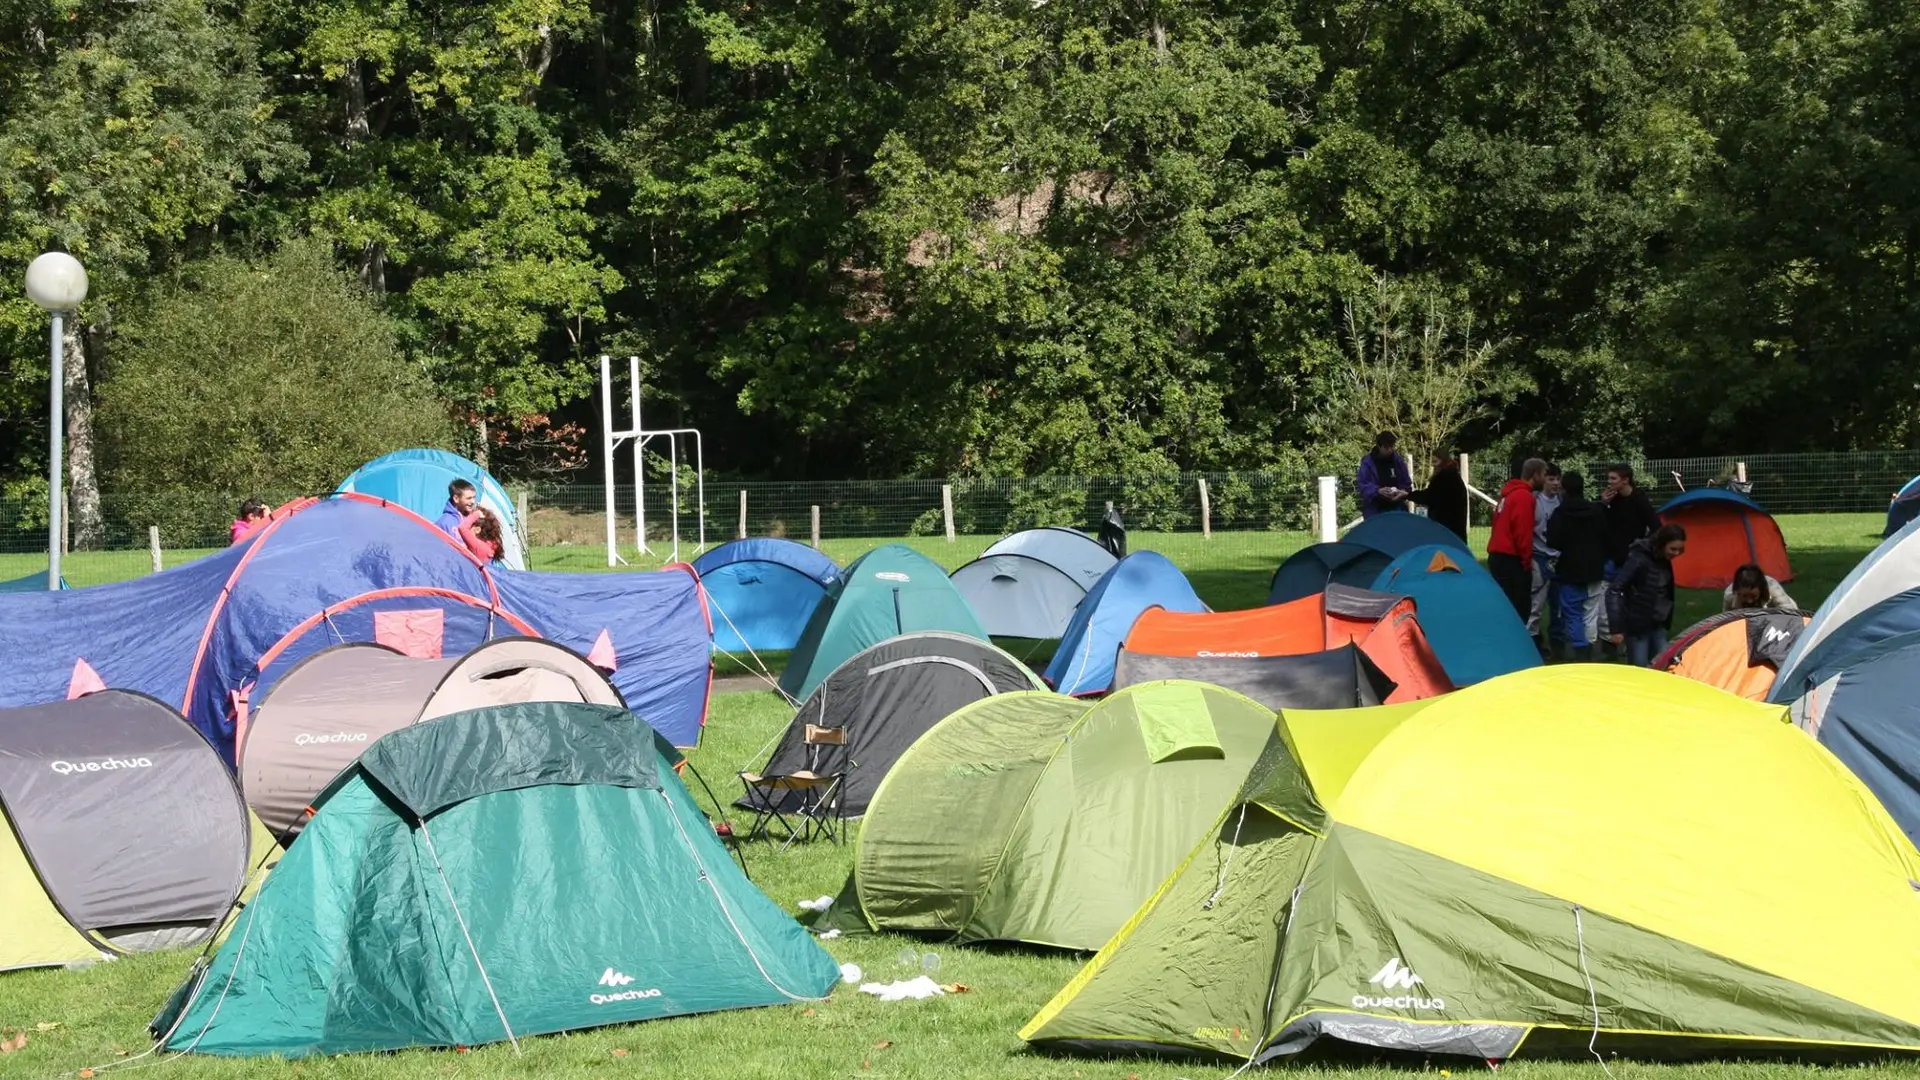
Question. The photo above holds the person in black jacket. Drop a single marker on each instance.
(1445, 495)
(1630, 514)
(1640, 598)
(1578, 531)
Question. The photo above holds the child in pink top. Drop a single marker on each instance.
(480, 532)
(253, 514)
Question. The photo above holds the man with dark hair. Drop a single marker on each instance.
(1578, 532)
(1384, 480)
(1630, 514)
(1510, 550)
(1445, 495)
(461, 499)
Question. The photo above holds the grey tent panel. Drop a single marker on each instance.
(1071, 551)
(324, 712)
(1342, 678)
(885, 698)
(1020, 595)
(129, 816)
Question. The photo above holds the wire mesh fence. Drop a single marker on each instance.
(1230, 521)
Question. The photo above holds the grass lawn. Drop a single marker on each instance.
(101, 1012)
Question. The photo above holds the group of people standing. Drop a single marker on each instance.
(1585, 572)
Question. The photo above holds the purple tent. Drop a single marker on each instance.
(213, 633)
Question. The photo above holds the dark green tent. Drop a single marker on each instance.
(490, 875)
(889, 591)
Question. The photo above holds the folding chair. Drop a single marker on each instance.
(818, 804)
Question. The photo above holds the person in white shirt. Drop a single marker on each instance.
(1752, 588)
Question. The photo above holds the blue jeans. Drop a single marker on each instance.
(1643, 648)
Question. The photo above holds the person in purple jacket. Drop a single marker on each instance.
(1384, 480)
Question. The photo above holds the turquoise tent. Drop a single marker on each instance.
(36, 582)
(417, 479)
(487, 876)
(1468, 620)
(890, 590)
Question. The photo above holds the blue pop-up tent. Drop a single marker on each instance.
(417, 479)
(1469, 622)
(212, 634)
(762, 590)
(35, 582)
(1083, 664)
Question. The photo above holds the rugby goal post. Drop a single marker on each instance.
(636, 434)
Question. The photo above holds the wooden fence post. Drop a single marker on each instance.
(946, 508)
(1206, 512)
(1329, 510)
(816, 528)
(153, 544)
(520, 507)
(743, 515)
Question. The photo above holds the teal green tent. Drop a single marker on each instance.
(888, 591)
(490, 875)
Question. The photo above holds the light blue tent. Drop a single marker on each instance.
(417, 479)
(1878, 600)
(1028, 584)
(762, 590)
(1469, 622)
(1083, 664)
(1866, 710)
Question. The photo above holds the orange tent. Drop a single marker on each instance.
(1725, 530)
(1737, 651)
(1385, 627)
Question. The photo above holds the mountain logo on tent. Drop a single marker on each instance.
(611, 978)
(1774, 633)
(615, 978)
(1396, 975)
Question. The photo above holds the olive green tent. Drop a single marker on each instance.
(1561, 861)
(888, 591)
(1044, 819)
(489, 875)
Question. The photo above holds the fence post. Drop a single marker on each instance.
(1329, 510)
(946, 508)
(743, 514)
(1466, 480)
(153, 544)
(816, 528)
(520, 506)
(66, 523)
(1740, 471)
(1206, 512)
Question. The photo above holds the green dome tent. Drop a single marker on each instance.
(1563, 861)
(1044, 819)
(888, 591)
(489, 875)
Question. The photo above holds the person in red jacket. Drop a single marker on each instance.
(1510, 551)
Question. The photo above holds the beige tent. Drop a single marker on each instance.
(334, 704)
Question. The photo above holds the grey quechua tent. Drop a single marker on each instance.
(1026, 585)
(1342, 678)
(330, 707)
(120, 831)
(884, 698)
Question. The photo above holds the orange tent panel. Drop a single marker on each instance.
(1718, 652)
(1723, 535)
(1384, 627)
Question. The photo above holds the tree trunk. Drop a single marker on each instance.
(480, 440)
(83, 484)
(357, 127)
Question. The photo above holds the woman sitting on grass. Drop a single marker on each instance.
(1640, 597)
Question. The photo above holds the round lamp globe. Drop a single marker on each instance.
(56, 281)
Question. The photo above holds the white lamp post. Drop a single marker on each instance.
(56, 281)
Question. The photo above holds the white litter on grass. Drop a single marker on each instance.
(850, 973)
(820, 904)
(830, 935)
(901, 990)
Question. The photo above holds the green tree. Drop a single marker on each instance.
(128, 134)
(240, 378)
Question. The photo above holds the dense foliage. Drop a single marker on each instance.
(998, 236)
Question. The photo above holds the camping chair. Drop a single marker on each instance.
(819, 806)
